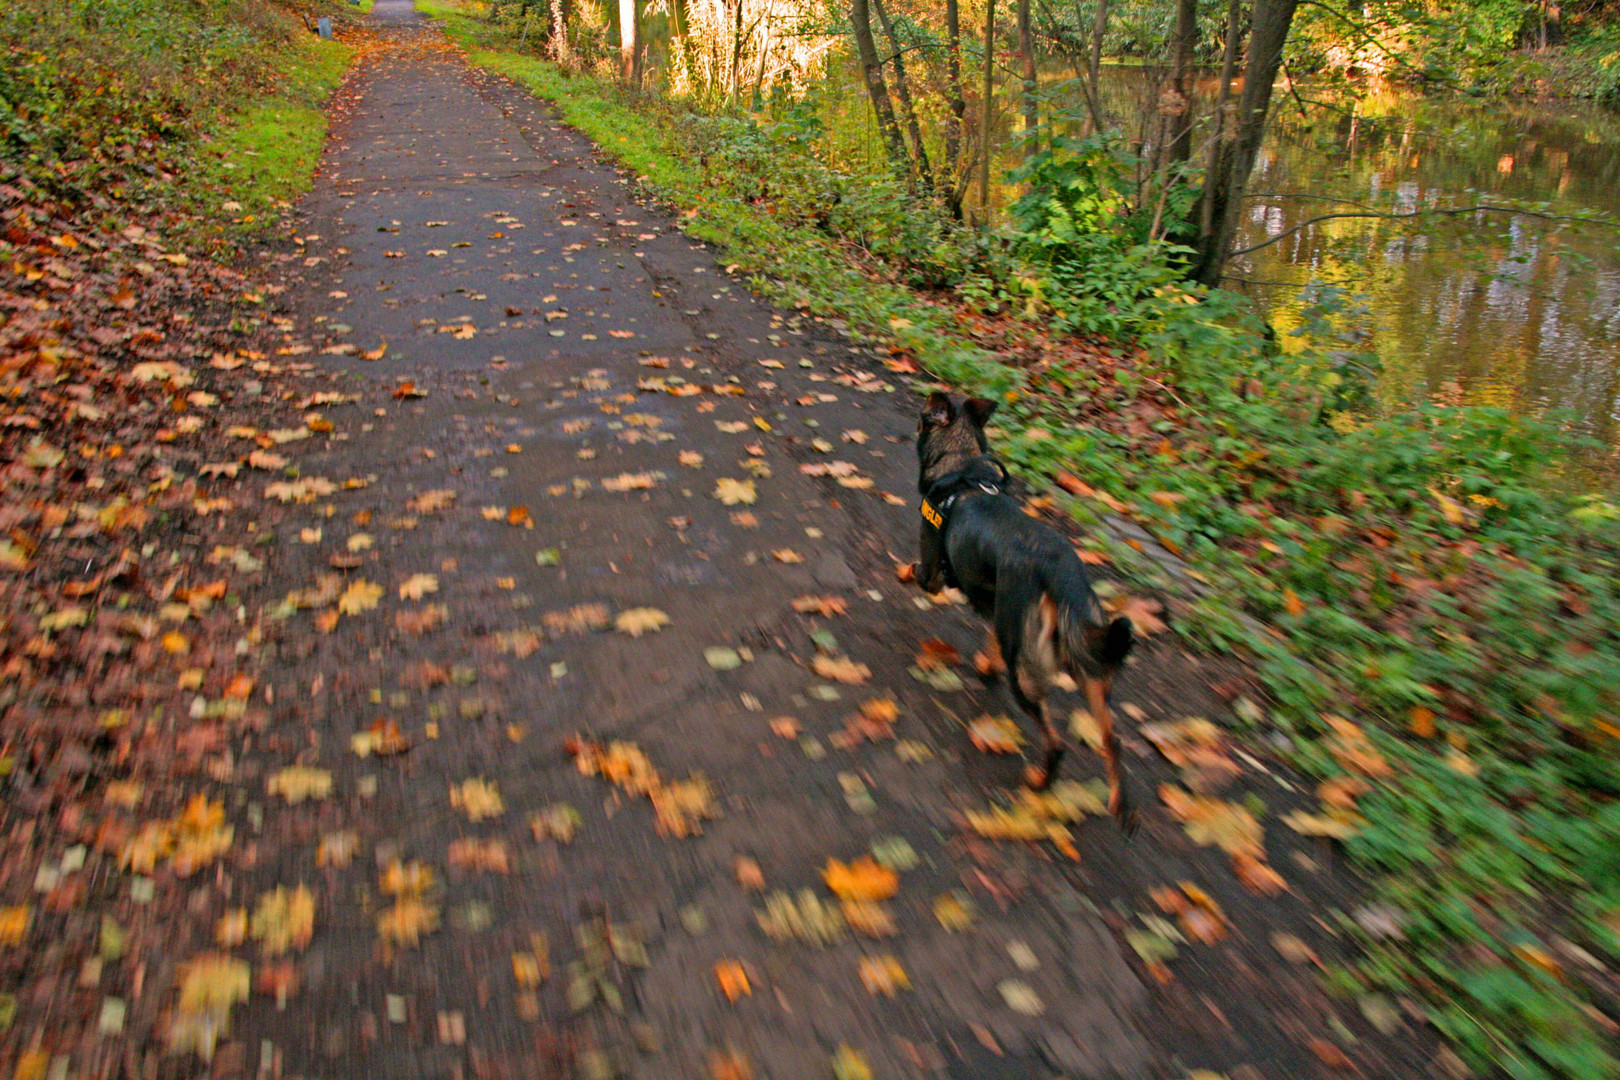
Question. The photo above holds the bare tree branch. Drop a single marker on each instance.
(1393, 214)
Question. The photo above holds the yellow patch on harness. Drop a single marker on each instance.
(932, 516)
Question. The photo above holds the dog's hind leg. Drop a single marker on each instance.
(1032, 660)
(1039, 779)
(1119, 795)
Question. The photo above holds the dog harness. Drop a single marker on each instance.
(983, 475)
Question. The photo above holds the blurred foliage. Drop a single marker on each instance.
(94, 91)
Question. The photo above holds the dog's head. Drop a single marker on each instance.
(950, 431)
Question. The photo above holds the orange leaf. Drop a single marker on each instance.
(733, 979)
(863, 879)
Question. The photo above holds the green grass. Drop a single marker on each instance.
(264, 156)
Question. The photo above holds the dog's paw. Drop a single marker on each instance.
(906, 572)
(1128, 821)
(1125, 816)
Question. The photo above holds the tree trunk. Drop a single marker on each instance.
(629, 42)
(1026, 54)
(1178, 123)
(989, 105)
(736, 50)
(953, 125)
(919, 151)
(1094, 68)
(876, 87)
(1223, 123)
(1224, 184)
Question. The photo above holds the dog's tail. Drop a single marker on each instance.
(1088, 647)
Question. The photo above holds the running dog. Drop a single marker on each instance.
(1020, 574)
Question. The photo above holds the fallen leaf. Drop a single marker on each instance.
(850, 1064)
(407, 921)
(749, 875)
(934, 655)
(1144, 615)
(825, 606)
(731, 492)
(478, 799)
(638, 621)
(840, 669)
(559, 821)
(883, 975)
(1020, 997)
(418, 585)
(863, 879)
(283, 920)
(995, 735)
(361, 596)
(1214, 822)
(471, 853)
(296, 783)
(733, 979)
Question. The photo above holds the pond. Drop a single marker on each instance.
(1500, 309)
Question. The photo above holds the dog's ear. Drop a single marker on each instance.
(938, 412)
(979, 410)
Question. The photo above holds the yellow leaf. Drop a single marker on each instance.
(731, 492)
(952, 913)
(296, 783)
(418, 585)
(1215, 822)
(641, 620)
(360, 596)
(407, 921)
(406, 879)
(850, 1064)
(478, 799)
(841, 669)
(883, 975)
(284, 920)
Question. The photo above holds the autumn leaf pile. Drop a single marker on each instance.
(132, 448)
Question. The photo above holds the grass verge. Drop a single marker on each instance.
(264, 156)
(1440, 602)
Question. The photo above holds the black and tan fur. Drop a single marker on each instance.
(1024, 577)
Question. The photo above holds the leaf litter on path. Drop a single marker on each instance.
(678, 806)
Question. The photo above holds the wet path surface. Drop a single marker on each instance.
(579, 416)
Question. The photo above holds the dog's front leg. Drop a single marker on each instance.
(929, 571)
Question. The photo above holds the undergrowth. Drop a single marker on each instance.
(196, 106)
(1432, 573)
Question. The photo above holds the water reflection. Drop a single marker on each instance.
(1516, 311)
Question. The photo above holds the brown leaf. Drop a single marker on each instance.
(935, 655)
